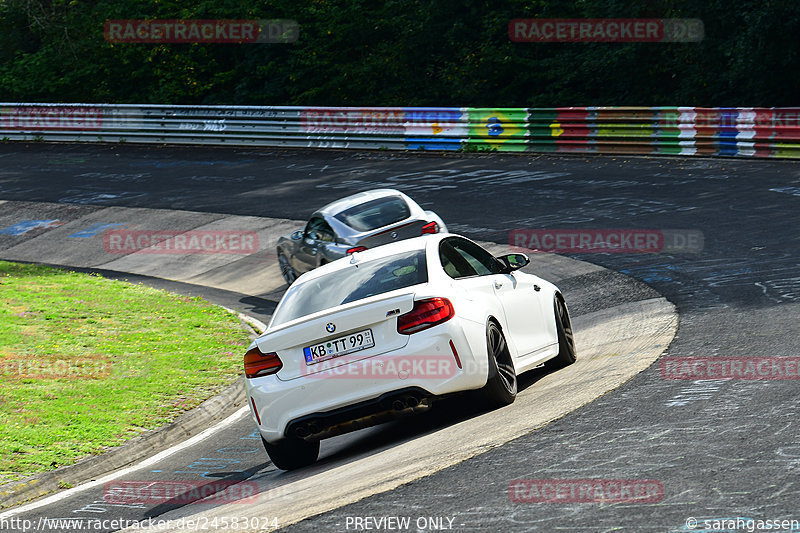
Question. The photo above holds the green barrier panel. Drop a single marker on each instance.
(785, 150)
(502, 129)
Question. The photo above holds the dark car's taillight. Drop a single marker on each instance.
(430, 227)
(258, 364)
(425, 314)
(356, 249)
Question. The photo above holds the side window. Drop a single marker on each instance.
(453, 262)
(321, 228)
(482, 262)
(325, 232)
(311, 227)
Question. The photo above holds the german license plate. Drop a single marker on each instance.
(352, 342)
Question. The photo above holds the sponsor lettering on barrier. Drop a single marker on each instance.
(180, 242)
(51, 117)
(737, 118)
(319, 120)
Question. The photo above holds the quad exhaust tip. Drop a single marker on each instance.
(408, 402)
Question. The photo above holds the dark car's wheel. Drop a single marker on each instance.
(290, 454)
(501, 385)
(286, 269)
(566, 340)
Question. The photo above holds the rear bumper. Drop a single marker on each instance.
(388, 406)
(367, 393)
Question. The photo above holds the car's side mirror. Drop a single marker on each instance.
(513, 262)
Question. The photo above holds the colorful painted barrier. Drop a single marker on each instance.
(740, 132)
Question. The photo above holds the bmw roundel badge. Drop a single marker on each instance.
(330, 327)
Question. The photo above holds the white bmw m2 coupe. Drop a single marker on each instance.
(385, 332)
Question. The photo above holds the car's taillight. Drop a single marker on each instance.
(356, 249)
(430, 227)
(257, 364)
(426, 314)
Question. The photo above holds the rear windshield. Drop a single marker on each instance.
(375, 213)
(355, 282)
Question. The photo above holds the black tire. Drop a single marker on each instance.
(290, 454)
(286, 269)
(501, 385)
(566, 340)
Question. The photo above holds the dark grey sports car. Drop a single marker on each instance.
(361, 221)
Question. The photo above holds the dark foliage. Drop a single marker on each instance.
(402, 53)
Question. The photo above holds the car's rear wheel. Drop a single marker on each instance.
(290, 454)
(566, 340)
(286, 269)
(501, 385)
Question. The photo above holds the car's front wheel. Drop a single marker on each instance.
(566, 340)
(290, 454)
(286, 269)
(501, 385)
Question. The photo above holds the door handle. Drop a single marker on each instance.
(537, 288)
(498, 285)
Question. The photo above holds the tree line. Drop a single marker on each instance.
(401, 53)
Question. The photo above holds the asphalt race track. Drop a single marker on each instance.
(719, 448)
(621, 326)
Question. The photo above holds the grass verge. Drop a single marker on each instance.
(87, 363)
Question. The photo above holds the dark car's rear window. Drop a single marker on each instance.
(375, 213)
(353, 283)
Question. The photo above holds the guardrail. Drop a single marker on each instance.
(748, 132)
